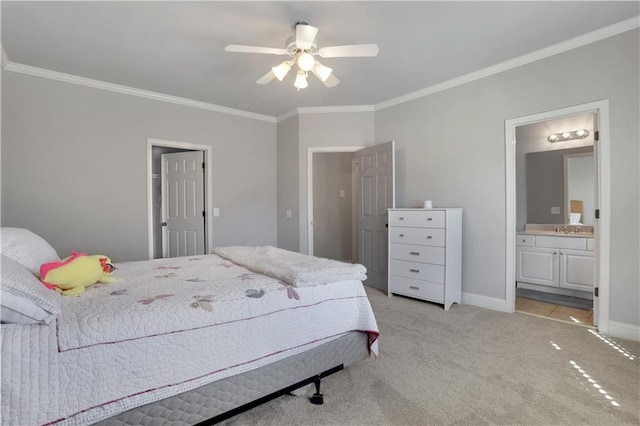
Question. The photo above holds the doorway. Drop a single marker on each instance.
(553, 261)
(372, 180)
(187, 233)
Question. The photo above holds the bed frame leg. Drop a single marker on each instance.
(317, 398)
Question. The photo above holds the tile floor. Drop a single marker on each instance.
(572, 315)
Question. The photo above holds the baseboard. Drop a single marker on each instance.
(624, 330)
(485, 302)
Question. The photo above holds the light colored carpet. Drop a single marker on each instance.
(472, 366)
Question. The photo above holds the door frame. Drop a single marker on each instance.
(310, 152)
(208, 161)
(602, 238)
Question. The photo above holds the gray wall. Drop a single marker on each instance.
(328, 129)
(288, 177)
(332, 213)
(451, 149)
(74, 166)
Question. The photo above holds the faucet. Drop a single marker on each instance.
(565, 229)
(556, 228)
(577, 229)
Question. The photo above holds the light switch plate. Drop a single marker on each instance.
(555, 210)
(216, 212)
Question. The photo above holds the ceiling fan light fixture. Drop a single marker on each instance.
(306, 61)
(281, 70)
(301, 80)
(322, 72)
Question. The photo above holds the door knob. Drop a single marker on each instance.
(164, 224)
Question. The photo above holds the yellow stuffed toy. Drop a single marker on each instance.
(73, 274)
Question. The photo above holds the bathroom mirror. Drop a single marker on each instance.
(556, 178)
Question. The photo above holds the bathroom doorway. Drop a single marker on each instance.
(557, 249)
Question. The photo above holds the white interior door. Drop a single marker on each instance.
(183, 204)
(376, 194)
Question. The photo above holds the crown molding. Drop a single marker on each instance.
(325, 110)
(287, 115)
(111, 87)
(5, 58)
(573, 43)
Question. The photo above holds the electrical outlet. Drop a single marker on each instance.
(342, 193)
(555, 210)
(288, 213)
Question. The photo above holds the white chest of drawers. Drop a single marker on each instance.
(425, 254)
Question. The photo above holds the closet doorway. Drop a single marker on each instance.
(178, 202)
(348, 194)
(535, 225)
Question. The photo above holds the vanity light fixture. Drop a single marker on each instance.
(567, 136)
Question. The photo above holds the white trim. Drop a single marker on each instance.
(208, 179)
(111, 87)
(486, 302)
(5, 58)
(310, 152)
(334, 109)
(287, 115)
(325, 110)
(604, 192)
(573, 43)
(624, 330)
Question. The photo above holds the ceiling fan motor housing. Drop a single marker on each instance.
(292, 48)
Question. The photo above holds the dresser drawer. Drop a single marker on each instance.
(418, 271)
(417, 218)
(420, 236)
(416, 288)
(415, 253)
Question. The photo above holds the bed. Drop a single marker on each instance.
(181, 340)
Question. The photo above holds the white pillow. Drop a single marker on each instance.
(26, 248)
(24, 299)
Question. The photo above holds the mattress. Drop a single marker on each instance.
(170, 326)
(212, 400)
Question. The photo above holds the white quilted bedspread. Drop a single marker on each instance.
(171, 325)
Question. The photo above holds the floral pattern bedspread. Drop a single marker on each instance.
(169, 326)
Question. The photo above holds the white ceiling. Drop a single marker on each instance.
(177, 48)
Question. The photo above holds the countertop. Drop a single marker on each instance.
(556, 234)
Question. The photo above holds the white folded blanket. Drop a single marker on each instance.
(297, 269)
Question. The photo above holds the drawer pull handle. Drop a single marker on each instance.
(414, 270)
(401, 235)
(429, 237)
(524, 241)
(413, 287)
(429, 218)
(401, 218)
(415, 253)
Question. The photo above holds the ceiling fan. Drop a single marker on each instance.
(302, 49)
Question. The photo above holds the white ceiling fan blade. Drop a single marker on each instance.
(254, 49)
(352, 50)
(266, 78)
(305, 34)
(331, 81)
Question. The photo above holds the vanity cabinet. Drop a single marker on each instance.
(577, 270)
(425, 254)
(564, 262)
